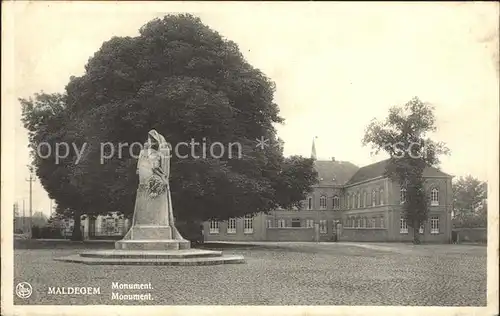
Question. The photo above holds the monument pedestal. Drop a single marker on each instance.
(169, 244)
(150, 237)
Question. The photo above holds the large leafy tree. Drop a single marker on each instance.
(190, 84)
(469, 202)
(404, 136)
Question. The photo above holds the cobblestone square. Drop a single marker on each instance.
(275, 274)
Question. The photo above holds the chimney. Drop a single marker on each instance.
(333, 158)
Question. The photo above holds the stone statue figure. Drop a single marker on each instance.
(153, 214)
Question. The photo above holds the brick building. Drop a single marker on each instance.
(355, 204)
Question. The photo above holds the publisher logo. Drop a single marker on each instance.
(24, 290)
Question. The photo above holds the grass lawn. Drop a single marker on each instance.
(287, 274)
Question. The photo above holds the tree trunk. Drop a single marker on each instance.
(77, 231)
(416, 234)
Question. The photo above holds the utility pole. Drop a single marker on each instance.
(30, 180)
(24, 215)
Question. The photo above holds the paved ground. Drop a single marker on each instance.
(276, 274)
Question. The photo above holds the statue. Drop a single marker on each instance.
(153, 213)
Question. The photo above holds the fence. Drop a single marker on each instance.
(478, 235)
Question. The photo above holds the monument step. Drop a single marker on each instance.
(199, 261)
(170, 244)
(159, 254)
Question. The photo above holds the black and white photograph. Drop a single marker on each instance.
(274, 158)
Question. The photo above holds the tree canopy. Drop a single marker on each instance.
(470, 202)
(189, 83)
(404, 136)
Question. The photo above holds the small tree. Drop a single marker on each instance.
(469, 202)
(403, 135)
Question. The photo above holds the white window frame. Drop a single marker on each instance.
(403, 226)
(281, 223)
(248, 224)
(336, 202)
(322, 202)
(231, 226)
(323, 229)
(402, 196)
(309, 203)
(434, 196)
(213, 227)
(421, 229)
(434, 225)
(310, 223)
(269, 223)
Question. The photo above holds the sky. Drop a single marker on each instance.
(336, 67)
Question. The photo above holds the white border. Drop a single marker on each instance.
(8, 147)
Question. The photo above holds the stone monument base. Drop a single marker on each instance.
(137, 244)
(186, 257)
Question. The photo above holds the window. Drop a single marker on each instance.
(421, 229)
(353, 205)
(358, 222)
(336, 203)
(434, 225)
(214, 227)
(403, 226)
(372, 223)
(374, 197)
(309, 203)
(322, 226)
(322, 202)
(362, 200)
(358, 198)
(347, 201)
(295, 222)
(381, 197)
(309, 223)
(231, 226)
(248, 224)
(434, 196)
(269, 223)
(363, 222)
(281, 223)
(382, 221)
(402, 195)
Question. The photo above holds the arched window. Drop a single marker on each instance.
(367, 202)
(402, 195)
(374, 197)
(347, 201)
(322, 202)
(362, 200)
(336, 204)
(309, 203)
(381, 196)
(354, 200)
(434, 196)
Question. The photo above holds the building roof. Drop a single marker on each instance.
(332, 172)
(378, 169)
